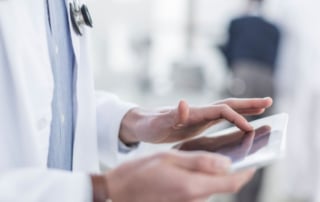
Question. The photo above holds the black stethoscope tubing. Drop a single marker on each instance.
(80, 16)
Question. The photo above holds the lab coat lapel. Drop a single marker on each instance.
(85, 152)
(74, 36)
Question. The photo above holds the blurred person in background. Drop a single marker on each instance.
(56, 131)
(251, 54)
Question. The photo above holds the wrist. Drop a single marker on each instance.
(100, 191)
(128, 126)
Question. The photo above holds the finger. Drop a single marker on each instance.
(182, 114)
(250, 111)
(247, 143)
(202, 162)
(254, 103)
(224, 111)
(204, 185)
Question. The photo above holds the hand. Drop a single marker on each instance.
(182, 122)
(174, 176)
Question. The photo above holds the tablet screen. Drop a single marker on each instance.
(245, 149)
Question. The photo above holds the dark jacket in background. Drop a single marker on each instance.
(252, 38)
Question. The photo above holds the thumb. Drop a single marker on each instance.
(181, 114)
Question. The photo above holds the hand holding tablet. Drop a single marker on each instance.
(257, 148)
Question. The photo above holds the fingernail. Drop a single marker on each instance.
(248, 128)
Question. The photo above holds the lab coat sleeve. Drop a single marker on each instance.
(110, 112)
(44, 186)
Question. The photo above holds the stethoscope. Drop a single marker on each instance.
(80, 16)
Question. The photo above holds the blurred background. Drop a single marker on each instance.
(156, 52)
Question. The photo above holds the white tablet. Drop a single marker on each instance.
(256, 149)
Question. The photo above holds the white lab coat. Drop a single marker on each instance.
(26, 90)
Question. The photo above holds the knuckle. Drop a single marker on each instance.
(224, 108)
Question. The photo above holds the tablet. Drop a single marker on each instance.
(264, 145)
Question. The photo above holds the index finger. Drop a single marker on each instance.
(223, 111)
(247, 103)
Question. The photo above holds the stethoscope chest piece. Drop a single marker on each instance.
(80, 16)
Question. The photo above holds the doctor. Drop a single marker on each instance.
(55, 130)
